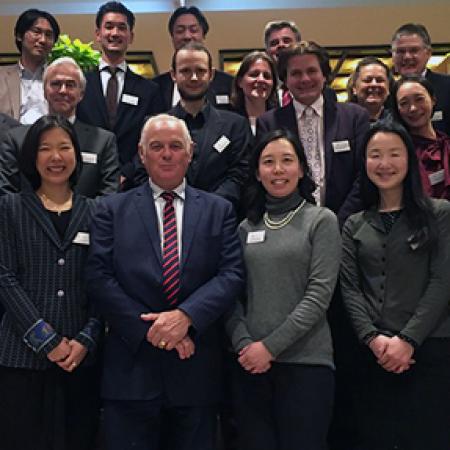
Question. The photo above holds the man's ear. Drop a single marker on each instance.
(172, 75)
(141, 154)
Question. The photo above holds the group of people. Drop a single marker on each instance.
(322, 320)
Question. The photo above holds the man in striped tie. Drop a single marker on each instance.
(165, 264)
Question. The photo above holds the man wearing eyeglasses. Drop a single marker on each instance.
(21, 93)
(411, 50)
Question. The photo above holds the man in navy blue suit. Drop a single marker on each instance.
(162, 359)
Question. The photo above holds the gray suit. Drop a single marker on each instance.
(100, 174)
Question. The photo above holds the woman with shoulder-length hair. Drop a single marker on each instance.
(48, 382)
(284, 381)
(414, 102)
(396, 287)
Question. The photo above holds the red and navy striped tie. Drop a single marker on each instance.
(171, 263)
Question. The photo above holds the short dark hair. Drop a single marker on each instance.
(195, 46)
(193, 10)
(367, 61)
(277, 25)
(30, 147)
(410, 78)
(237, 96)
(255, 194)
(416, 203)
(304, 48)
(413, 28)
(27, 19)
(114, 7)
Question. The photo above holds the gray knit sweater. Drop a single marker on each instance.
(291, 277)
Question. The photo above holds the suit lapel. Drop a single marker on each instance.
(122, 107)
(98, 97)
(329, 131)
(287, 119)
(13, 82)
(80, 209)
(145, 205)
(192, 212)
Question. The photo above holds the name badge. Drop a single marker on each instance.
(222, 99)
(341, 146)
(130, 99)
(81, 238)
(254, 237)
(436, 177)
(437, 116)
(222, 143)
(89, 158)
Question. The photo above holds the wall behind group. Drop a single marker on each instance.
(370, 25)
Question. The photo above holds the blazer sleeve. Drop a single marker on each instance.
(109, 166)
(324, 269)
(9, 171)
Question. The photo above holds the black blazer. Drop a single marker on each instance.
(441, 86)
(219, 92)
(130, 117)
(100, 174)
(41, 277)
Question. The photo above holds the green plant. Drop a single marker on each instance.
(84, 55)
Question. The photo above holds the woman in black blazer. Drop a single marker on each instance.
(48, 382)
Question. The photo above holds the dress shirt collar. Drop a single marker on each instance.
(28, 74)
(181, 113)
(103, 65)
(180, 190)
(317, 106)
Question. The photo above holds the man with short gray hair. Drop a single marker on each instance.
(280, 34)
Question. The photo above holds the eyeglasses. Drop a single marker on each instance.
(37, 32)
(56, 85)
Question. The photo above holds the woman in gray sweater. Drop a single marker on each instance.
(284, 383)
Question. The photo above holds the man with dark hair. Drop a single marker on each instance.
(411, 50)
(21, 92)
(190, 25)
(116, 98)
(278, 35)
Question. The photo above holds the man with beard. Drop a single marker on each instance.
(222, 138)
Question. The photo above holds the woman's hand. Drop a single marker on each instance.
(185, 348)
(255, 358)
(77, 353)
(60, 352)
(397, 356)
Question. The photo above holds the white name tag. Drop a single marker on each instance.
(222, 143)
(341, 146)
(222, 99)
(437, 116)
(130, 99)
(436, 177)
(89, 158)
(81, 238)
(254, 237)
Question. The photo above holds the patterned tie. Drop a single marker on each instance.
(111, 95)
(309, 138)
(171, 264)
(286, 99)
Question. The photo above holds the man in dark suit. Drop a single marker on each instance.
(64, 85)
(188, 24)
(116, 98)
(162, 360)
(411, 50)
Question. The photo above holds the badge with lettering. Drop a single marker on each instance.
(254, 237)
(81, 238)
(223, 99)
(222, 143)
(437, 116)
(436, 177)
(89, 158)
(341, 146)
(130, 99)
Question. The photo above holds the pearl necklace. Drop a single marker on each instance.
(276, 225)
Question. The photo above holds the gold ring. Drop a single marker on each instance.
(162, 344)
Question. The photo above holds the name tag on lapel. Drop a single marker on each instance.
(222, 143)
(89, 158)
(81, 238)
(436, 177)
(254, 237)
(130, 99)
(341, 146)
(437, 116)
(222, 99)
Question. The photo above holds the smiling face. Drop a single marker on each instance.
(279, 40)
(415, 106)
(38, 41)
(55, 160)
(186, 29)
(257, 82)
(387, 162)
(372, 86)
(114, 35)
(279, 169)
(410, 55)
(304, 78)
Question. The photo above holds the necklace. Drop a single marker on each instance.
(277, 224)
(55, 207)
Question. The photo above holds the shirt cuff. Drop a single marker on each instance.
(39, 335)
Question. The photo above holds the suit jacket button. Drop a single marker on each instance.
(61, 261)
(60, 293)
